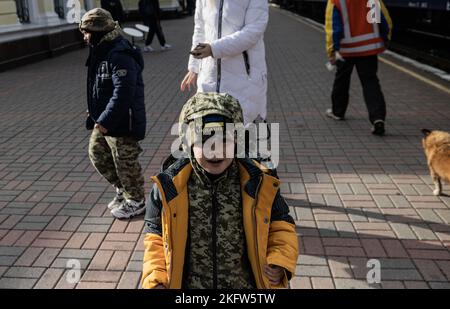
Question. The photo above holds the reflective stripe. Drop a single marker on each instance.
(344, 11)
(359, 38)
(347, 33)
(362, 48)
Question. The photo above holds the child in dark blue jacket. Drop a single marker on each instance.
(116, 111)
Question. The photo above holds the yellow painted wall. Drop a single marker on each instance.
(8, 13)
(46, 6)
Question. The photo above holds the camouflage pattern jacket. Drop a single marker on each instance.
(268, 230)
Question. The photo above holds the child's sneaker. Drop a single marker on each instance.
(148, 49)
(166, 47)
(118, 199)
(129, 209)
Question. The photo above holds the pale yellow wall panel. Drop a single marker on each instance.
(7, 7)
(9, 19)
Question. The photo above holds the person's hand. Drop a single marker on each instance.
(202, 50)
(188, 80)
(274, 273)
(160, 287)
(332, 60)
(102, 129)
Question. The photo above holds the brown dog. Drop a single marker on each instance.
(437, 149)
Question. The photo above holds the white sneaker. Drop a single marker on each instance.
(166, 47)
(129, 209)
(329, 113)
(118, 199)
(148, 49)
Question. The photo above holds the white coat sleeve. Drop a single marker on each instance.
(256, 19)
(198, 37)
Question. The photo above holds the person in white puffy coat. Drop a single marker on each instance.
(228, 53)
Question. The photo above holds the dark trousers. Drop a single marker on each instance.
(154, 24)
(190, 6)
(367, 68)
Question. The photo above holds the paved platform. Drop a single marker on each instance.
(354, 196)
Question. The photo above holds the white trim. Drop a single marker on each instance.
(23, 31)
(425, 67)
(344, 11)
(359, 49)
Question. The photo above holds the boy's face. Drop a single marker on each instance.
(86, 36)
(215, 160)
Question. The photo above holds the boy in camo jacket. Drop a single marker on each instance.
(215, 221)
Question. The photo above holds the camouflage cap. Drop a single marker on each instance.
(204, 104)
(209, 103)
(97, 20)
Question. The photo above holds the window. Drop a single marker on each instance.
(23, 11)
(60, 8)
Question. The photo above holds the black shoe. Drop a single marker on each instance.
(378, 128)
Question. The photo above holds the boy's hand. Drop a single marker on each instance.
(274, 273)
(101, 128)
(332, 59)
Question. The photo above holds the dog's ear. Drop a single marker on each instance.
(426, 132)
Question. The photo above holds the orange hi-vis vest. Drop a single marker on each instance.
(360, 35)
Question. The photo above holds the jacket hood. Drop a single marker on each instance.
(123, 45)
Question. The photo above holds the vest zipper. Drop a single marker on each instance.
(219, 36)
(130, 123)
(214, 234)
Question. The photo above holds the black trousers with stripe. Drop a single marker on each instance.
(367, 68)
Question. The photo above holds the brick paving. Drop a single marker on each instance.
(354, 196)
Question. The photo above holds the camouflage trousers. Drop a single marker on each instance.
(116, 159)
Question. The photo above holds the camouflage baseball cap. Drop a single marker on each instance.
(207, 111)
(97, 20)
(209, 103)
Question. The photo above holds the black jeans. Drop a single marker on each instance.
(190, 7)
(367, 68)
(154, 23)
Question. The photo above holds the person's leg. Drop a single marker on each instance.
(340, 95)
(367, 68)
(190, 7)
(160, 34)
(125, 152)
(102, 159)
(151, 23)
